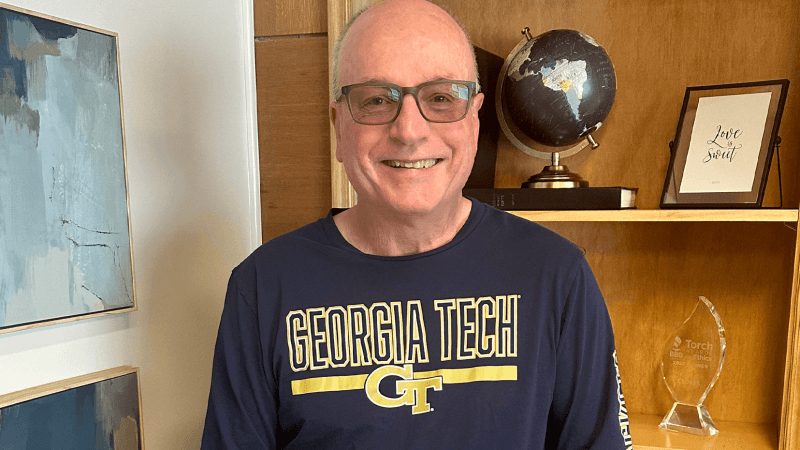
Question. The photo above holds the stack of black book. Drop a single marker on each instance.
(554, 198)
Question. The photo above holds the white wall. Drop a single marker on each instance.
(189, 106)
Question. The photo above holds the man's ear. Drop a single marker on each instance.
(333, 113)
(477, 102)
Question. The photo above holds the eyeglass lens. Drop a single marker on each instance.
(438, 102)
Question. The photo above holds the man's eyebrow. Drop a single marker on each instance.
(448, 78)
(374, 80)
(382, 80)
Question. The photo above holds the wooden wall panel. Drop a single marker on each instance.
(339, 12)
(293, 133)
(282, 17)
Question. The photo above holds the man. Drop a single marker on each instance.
(417, 318)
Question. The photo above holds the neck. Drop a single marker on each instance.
(397, 234)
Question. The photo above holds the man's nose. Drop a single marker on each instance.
(410, 126)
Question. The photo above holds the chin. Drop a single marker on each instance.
(423, 203)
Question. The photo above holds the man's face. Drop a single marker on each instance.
(406, 51)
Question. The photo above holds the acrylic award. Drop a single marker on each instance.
(690, 365)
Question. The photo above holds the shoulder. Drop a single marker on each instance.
(286, 250)
(504, 230)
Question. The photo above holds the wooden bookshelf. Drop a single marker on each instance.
(732, 436)
(652, 265)
(664, 215)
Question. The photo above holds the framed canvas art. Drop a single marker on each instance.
(65, 244)
(99, 411)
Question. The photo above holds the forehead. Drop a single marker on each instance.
(406, 48)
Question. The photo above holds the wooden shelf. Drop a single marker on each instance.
(664, 215)
(732, 435)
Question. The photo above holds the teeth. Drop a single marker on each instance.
(422, 164)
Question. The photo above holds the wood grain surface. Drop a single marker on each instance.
(651, 275)
(293, 133)
(790, 419)
(732, 436)
(282, 17)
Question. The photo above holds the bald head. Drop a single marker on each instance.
(411, 29)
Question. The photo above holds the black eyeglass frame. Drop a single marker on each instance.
(414, 90)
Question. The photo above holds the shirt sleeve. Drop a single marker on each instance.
(588, 409)
(241, 405)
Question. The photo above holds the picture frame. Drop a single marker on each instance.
(101, 410)
(723, 145)
(65, 245)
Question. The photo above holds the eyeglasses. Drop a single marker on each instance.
(440, 101)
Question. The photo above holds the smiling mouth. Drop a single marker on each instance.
(421, 164)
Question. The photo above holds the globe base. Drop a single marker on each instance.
(556, 176)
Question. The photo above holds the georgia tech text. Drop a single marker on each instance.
(393, 333)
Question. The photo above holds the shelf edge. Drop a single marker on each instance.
(662, 215)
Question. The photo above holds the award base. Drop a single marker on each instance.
(692, 419)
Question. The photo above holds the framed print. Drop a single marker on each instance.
(723, 146)
(98, 411)
(65, 245)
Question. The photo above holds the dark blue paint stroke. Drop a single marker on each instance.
(16, 66)
(52, 30)
(49, 30)
(65, 420)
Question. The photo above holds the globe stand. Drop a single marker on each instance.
(555, 176)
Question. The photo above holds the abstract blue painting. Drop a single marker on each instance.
(64, 232)
(103, 414)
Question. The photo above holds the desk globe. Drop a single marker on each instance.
(554, 90)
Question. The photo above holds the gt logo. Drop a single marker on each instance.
(411, 392)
